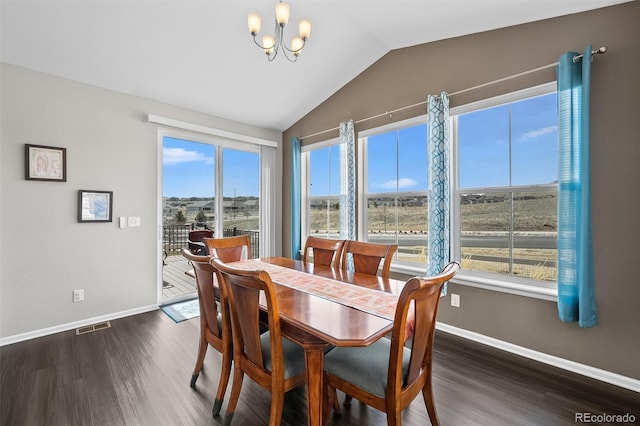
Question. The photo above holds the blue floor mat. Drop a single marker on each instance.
(181, 311)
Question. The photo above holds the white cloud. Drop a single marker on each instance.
(539, 132)
(171, 156)
(401, 184)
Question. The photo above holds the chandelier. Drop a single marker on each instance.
(272, 44)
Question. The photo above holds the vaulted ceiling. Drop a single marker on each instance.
(198, 54)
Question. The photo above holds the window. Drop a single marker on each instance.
(505, 199)
(504, 187)
(394, 209)
(322, 167)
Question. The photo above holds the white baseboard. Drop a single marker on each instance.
(585, 370)
(69, 326)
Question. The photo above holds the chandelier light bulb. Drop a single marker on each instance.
(282, 13)
(296, 45)
(304, 28)
(268, 42)
(255, 22)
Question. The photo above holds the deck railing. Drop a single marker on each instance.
(176, 237)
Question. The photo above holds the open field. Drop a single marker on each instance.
(481, 215)
(536, 211)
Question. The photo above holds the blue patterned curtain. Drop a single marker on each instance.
(576, 296)
(348, 177)
(296, 195)
(438, 178)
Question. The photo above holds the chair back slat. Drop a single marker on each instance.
(426, 306)
(325, 251)
(204, 273)
(246, 297)
(229, 249)
(368, 257)
(244, 288)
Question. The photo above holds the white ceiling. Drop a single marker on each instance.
(198, 54)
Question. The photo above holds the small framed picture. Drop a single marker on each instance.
(95, 206)
(45, 163)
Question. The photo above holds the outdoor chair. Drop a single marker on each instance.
(195, 241)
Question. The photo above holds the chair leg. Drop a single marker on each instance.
(224, 381)
(347, 400)
(394, 418)
(202, 351)
(277, 401)
(334, 400)
(327, 400)
(235, 395)
(427, 395)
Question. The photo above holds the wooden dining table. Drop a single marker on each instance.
(316, 320)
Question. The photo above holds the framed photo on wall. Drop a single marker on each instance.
(95, 206)
(45, 163)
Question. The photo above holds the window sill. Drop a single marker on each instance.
(462, 278)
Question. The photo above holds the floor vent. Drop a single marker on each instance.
(92, 328)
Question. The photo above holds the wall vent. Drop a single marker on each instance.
(92, 328)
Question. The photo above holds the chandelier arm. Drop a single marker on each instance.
(256, 42)
(304, 42)
(284, 51)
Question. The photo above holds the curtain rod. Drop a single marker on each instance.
(576, 58)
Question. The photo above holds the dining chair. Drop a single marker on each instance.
(229, 249)
(367, 257)
(324, 251)
(195, 241)
(215, 324)
(389, 373)
(272, 361)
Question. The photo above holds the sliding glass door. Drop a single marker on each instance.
(206, 186)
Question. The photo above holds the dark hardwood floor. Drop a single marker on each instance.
(137, 373)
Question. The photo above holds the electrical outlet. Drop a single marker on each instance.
(455, 300)
(78, 295)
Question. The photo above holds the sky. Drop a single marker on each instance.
(525, 131)
(484, 144)
(397, 160)
(189, 170)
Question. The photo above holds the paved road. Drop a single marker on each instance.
(531, 242)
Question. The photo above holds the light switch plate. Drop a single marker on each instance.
(123, 222)
(134, 221)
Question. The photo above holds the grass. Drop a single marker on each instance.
(531, 212)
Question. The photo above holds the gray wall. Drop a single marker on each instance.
(406, 76)
(44, 252)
